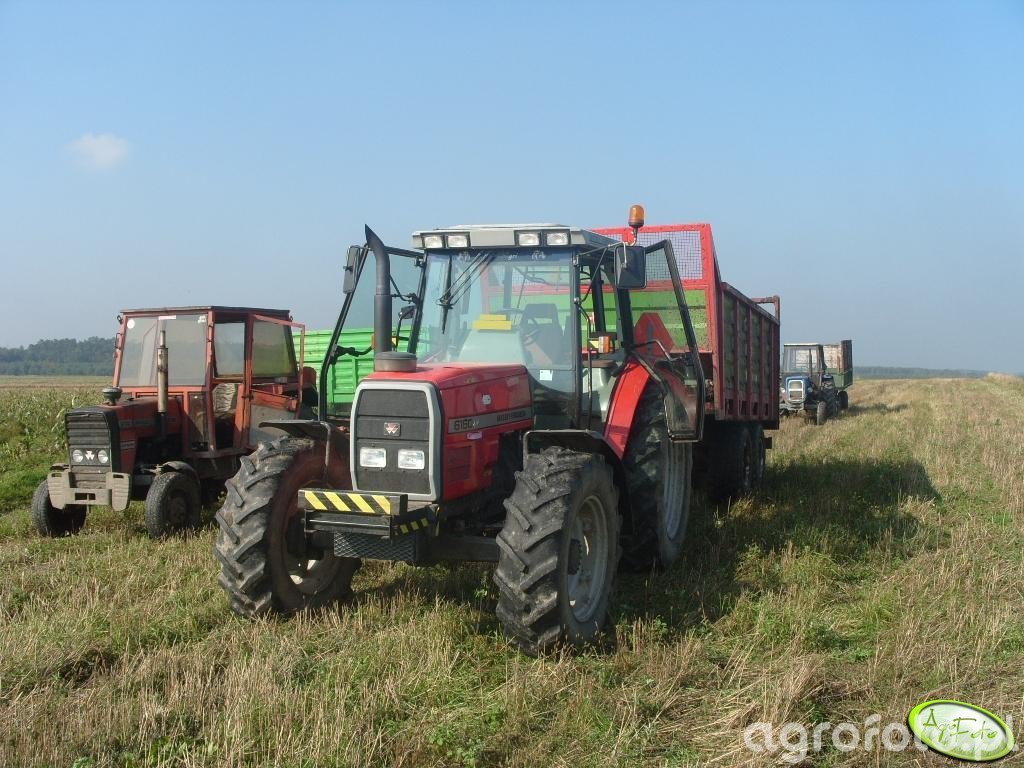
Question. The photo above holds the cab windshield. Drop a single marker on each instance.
(800, 360)
(501, 307)
(186, 350)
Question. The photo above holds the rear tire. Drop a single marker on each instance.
(821, 413)
(172, 504)
(659, 474)
(559, 549)
(261, 570)
(844, 400)
(732, 461)
(52, 522)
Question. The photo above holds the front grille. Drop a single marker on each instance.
(90, 429)
(392, 420)
(796, 390)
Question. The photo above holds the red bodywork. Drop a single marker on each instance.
(741, 354)
(469, 455)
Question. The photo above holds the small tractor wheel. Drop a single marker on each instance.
(821, 413)
(733, 461)
(659, 474)
(844, 400)
(53, 522)
(558, 550)
(172, 504)
(760, 459)
(265, 567)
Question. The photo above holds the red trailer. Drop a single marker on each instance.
(739, 350)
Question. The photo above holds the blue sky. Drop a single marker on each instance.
(864, 160)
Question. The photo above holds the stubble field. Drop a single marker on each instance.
(880, 565)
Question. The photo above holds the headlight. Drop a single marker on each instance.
(376, 458)
(527, 238)
(433, 241)
(558, 238)
(77, 456)
(411, 459)
(458, 241)
(103, 456)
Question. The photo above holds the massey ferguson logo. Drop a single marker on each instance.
(393, 428)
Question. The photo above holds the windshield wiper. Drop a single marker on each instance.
(463, 283)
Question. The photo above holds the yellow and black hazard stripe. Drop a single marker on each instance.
(414, 525)
(351, 502)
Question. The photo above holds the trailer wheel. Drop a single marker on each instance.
(733, 462)
(821, 413)
(844, 400)
(172, 504)
(52, 522)
(260, 546)
(558, 550)
(760, 459)
(658, 474)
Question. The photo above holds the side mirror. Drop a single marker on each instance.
(630, 266)
(355, 253)
(406, 312)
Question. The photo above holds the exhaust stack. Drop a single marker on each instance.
(384, 356)
(161, 383)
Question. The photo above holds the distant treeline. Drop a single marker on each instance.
(60, 357)
(890, 372)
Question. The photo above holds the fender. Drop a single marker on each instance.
(178, 466)
(625, 399)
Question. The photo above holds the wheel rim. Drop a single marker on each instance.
(177, 510)
(673, 480)
(588, 559)
(308, 575)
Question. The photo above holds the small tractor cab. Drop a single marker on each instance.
(191, 387)
(521, 411)
(807, 385)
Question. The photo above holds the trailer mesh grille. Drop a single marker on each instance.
(685, 245)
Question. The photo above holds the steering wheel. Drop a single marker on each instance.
(529, 328)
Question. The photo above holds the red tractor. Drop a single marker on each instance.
(191, 386)
(529, 417)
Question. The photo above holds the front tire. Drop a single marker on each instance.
(264, 566)
(172, 504)
(558, 550)
(659, 474)
(821, 413)
(52, 522)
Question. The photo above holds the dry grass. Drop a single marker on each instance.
(881, 565)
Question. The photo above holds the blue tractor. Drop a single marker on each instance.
(808, 387)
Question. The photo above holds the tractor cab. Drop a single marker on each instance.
(192, 387)
(568, 307)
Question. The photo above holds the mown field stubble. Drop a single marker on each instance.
(881, 565)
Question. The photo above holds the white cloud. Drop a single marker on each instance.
(99, 151)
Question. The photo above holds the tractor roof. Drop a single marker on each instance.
(277, 313)
(508, 236)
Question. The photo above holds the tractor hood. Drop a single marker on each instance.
(454, 375)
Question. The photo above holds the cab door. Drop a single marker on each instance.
(273, 388)
(665, 344)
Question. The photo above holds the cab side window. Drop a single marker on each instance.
(229, 349)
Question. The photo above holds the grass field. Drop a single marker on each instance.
(880, 566)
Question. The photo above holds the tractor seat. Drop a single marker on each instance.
(542, 335)
(225, 400)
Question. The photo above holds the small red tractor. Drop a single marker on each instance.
(191, 386)
(530, 417)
